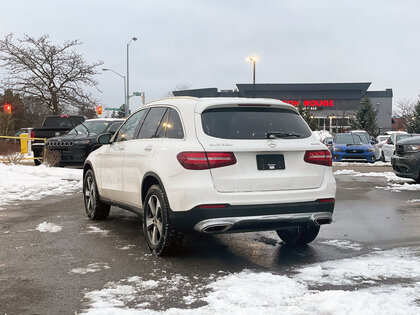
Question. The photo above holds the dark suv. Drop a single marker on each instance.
(76, 145)
(406, 161)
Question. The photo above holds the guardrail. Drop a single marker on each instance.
(25, 145)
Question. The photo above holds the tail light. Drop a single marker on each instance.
(320, 157)
(205, 160)
(32, 134)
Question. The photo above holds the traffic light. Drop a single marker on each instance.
(7, 109)
(99, 110)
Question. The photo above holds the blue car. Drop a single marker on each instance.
(352, 147)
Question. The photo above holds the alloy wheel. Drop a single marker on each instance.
(153, 219)
(90, 195)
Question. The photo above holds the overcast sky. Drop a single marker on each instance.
(204, 43)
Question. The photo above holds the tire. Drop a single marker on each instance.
(161, 236)
(37, 162)
(95, 208)
(299, 235)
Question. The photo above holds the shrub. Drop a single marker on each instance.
(51, 158)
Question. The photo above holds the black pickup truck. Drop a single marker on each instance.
(53, 126)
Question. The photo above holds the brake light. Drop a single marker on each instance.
(64, 116)
(320, 157)
(326, 200)
(32, 134)
(205, 160)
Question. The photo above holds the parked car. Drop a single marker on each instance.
(76, 145)
(213, 165)
(352, 147)
(388, 148)
(52, 126)
(380, 140)
(406, 162)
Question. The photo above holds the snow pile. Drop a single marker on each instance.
(386, 282)
(413, 200)
(377, 163)
(345, 172)
(343, 244)
(400, 187)
(21, 182)
(95, 267)
(49, 227)
(394, 183)
(390, 176)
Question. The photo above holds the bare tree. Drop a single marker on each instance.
(179, 87)
(55, 75)
(404, 108)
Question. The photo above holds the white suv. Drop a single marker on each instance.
(213, 165)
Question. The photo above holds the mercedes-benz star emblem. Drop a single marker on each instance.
(271, 144)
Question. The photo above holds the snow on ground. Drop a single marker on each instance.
(394, 183)
(382, 282)
(345, 172)
(95, 267)
(400, 187)
(343, 244)
(413, 200)
(49, 227)
(22, 182)
(91, 229)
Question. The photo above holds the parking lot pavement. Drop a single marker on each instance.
(54, 260)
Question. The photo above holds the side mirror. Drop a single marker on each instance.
(372, 142)
(330, 142)
(104, 138)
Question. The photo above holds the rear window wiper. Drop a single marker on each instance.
(282, 134)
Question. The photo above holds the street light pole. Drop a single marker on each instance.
(127, 102)
(125, 89)
(253, 60)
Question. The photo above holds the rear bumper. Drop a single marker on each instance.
(253, 217)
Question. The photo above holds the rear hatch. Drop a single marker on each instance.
(269, 143)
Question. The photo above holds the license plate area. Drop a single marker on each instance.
(269, 162)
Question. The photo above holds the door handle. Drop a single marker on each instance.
(121, 148)
(148, 148)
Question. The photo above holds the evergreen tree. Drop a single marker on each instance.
(307, 115)
(413, 122)
(365, 117)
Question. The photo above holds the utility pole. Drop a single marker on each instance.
(127, 102)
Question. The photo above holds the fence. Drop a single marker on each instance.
(10, 146)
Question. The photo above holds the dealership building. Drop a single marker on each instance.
(332, 104)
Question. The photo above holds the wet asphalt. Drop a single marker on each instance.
(35, 267)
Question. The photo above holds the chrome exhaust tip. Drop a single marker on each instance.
(217, 228)
(321, 221)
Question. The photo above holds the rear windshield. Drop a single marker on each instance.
(353, 138)
(63, 122)
(253, 123)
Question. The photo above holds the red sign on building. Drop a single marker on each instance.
(311, 103)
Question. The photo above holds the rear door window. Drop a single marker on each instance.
(174, 128)
(151, 123)
(253, 123)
